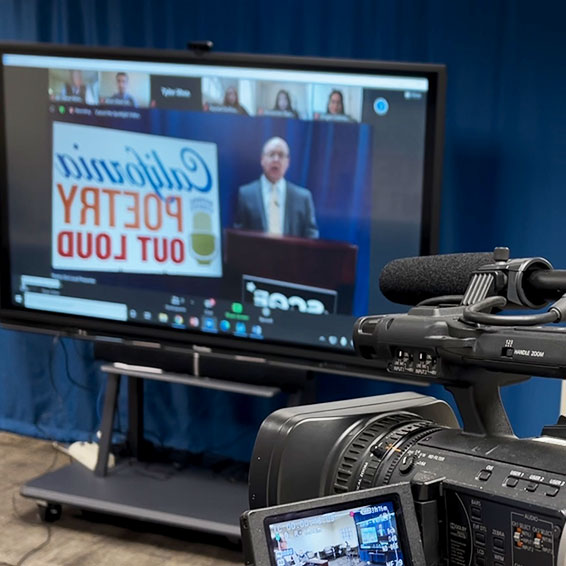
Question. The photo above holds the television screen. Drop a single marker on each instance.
(241, 203)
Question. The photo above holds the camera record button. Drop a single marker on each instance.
(512, 482)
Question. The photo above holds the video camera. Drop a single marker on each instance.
(479, 495)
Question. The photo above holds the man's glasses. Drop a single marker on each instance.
(276, 155)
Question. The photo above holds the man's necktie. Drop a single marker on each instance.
(274, 212)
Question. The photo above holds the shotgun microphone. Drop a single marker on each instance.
(528, 282)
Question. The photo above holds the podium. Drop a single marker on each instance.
(322, 264)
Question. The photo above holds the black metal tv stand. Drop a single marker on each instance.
(193, 497)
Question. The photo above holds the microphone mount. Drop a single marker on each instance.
(508, 283)
(507, 277)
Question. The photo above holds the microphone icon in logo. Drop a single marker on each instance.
(202, 239)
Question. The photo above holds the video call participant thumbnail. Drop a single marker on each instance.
(124, 89)
(71, 86)
(231, 100)
(282, 107)
(283, 100)
(222, 95)
(122, 97)
(272, 204)
(176, 93)
(341, 105)
(283, 103)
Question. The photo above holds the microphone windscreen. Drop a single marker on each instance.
(408, 281)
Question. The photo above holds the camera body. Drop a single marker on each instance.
(482, 497)
(479, 500)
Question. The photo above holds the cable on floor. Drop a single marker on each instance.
(16, 513)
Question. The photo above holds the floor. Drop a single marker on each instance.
(84, 540)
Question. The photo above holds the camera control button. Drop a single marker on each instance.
(551, 491)
(531, 486)
(498, 543)
(479, 538)
(407, 464)
(484, 475)
(512, 482)
(480, 561)
(378, 450)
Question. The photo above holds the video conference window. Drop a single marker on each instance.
(125, 89)
(219, 205)
(337, 103)
(363, 535)
(283, 100)
(228, 95)
(74, 85)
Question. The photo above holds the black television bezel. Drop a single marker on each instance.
(273, 354)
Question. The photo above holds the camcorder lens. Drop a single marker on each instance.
(371, 457)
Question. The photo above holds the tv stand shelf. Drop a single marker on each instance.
(195, 498)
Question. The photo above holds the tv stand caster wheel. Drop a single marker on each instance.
(49, 512)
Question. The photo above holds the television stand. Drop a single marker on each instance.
(193, 498)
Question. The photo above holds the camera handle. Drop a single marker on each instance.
(477, 395)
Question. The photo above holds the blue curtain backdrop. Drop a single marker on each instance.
(503, 174)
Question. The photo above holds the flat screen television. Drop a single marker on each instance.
(236, 206)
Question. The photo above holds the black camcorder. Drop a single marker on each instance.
(480, 495)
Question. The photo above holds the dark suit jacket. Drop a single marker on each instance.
(68, 91)
(299, 219)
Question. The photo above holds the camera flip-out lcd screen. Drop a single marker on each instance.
(362, 534)
(375, 526)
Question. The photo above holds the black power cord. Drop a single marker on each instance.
(16, 513)
(556, 313)
(442, 300)
(33, 550)
(68, 371)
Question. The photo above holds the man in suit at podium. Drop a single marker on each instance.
(272, 204)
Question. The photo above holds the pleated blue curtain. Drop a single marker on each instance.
(503, 175)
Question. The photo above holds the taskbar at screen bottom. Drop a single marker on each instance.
(206, 315)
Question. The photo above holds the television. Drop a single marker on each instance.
(227, 207)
